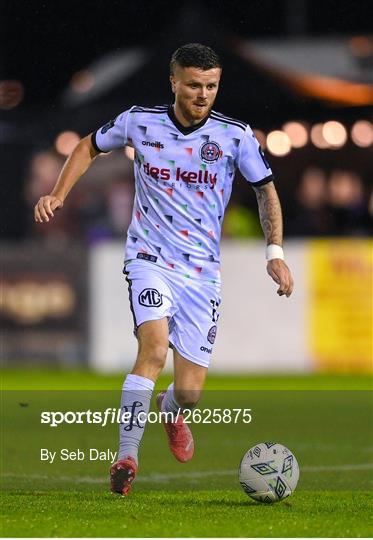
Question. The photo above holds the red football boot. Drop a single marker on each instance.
(180, 438)
(122, 474)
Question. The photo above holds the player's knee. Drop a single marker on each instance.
(155, 355)
(187, 399)
(159, 354)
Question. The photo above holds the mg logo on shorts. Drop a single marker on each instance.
(150, 298)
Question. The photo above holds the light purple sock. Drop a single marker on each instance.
(136, 395)
(169, 403)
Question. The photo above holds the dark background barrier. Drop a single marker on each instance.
(43, 307)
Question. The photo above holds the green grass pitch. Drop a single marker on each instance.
(325, 420)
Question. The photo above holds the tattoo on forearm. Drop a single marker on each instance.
(270, 213)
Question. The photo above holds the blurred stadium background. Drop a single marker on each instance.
(301, 73)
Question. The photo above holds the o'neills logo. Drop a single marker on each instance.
(154, 144)
(190, 177)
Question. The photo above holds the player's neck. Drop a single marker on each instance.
(184, 120)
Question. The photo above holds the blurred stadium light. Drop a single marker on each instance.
(103, 74)
(322, 68)
(317, 136)
(362, 133)
(11, 94)
(278, 143)
(82, 81)
(66, 142)
(297, 134)
(334, 133)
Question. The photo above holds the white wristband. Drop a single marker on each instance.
(273, 251)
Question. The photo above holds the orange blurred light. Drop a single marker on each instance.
(278, 143)
(66, 142)
(332, 89)
(130, 152)
(361, 46)
(362, 133)
(261, 137)
(82, 81)
(334, 133)
(317, 136)
(297, 134)
(11, 94)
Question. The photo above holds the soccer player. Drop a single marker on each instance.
(186, 155)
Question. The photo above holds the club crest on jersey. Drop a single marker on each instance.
(210, 152)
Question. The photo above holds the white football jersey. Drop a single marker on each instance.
(183, 178)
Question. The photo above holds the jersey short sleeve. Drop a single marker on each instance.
(251, 160)
(112, 135)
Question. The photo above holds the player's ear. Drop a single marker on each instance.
(173, 83)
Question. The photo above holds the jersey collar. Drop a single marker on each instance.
(183, 129)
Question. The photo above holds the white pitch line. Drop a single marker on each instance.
(189, 475)
(354, 467)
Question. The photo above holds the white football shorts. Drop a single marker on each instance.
(190, 305)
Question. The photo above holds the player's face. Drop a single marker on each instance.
(195, 92)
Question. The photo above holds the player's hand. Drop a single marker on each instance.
(45, 207)
(281, 274)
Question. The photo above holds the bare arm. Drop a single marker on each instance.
(271, 220)
(75, 166)
(270, 213)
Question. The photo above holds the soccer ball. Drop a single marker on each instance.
(268, 472)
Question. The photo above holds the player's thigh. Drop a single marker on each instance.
(153, 339)
(194, 325)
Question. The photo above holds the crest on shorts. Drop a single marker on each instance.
(210, 152)
(211, 335)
